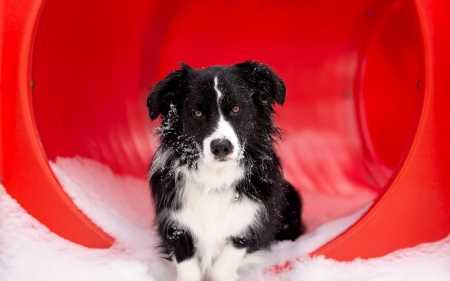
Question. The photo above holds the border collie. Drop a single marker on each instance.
(216, 180)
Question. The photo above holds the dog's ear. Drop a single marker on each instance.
(165, 91)
(270, 87)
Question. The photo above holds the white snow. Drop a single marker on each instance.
(29, 251)
(121, 206)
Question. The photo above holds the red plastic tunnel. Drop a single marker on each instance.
(373, 74)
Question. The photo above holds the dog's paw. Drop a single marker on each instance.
(226, 265)
(189, 270)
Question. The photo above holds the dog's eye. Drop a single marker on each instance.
(198, 114)
(236, 109)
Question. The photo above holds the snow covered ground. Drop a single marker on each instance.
(120, 205)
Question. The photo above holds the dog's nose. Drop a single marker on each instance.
(221, 147)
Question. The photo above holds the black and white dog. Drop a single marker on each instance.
(216, 180)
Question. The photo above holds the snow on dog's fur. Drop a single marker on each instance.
(219, 191)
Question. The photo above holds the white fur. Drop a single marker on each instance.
(160, 160)
(226, 265)
(189, 270)
(214, 176)
(219, 93)
(223, 130)
(213, 215)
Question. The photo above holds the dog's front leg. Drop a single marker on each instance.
(189, 270)
(180, 243)
(226, 265)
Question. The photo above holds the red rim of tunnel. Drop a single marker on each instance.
(384, 173)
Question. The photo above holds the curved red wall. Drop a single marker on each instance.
(367, 75)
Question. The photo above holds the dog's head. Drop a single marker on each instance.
(214, 113)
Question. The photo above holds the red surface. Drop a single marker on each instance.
(354, 116)
(415, 208)
(25, 171)
(391, 72)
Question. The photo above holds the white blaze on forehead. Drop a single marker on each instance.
(219, 93)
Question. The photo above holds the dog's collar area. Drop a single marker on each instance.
(216, 175)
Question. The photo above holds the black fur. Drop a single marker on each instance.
(256, 88)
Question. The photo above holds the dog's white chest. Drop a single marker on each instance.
(215, 213)
(213, 216)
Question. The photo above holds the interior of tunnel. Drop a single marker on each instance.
(353, 72)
